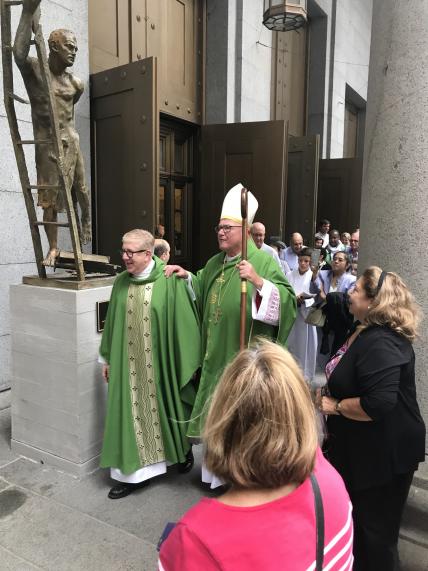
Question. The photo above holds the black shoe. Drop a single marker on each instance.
(123, 489)
(187, 465)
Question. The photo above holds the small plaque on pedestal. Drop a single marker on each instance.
(102, 307)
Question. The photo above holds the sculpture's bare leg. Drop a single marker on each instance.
(51, 215)
(82, 195)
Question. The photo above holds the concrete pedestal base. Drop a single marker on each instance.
(58, 394)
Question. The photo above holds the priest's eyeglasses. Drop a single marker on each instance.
(130, 253)
(225, 227)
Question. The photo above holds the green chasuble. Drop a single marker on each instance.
(151, 341)
(218, 291)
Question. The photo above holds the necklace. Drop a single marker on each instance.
(216, 297)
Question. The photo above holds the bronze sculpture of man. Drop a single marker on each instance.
(67, 90)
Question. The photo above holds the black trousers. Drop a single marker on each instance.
(377, 516)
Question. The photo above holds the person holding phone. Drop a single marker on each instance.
(302, 341)
(335, 280)
(323, 283)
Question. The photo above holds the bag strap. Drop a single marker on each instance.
(319, 517)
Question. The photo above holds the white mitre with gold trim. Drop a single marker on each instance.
(232, 205)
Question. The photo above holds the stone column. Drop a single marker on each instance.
(394, 213)
(394, 208)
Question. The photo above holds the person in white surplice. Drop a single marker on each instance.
(302, 341)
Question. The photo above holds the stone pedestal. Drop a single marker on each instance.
(58, 394)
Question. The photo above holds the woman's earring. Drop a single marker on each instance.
(369, 306)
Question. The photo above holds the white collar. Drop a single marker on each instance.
(230, 258)
(145, 273)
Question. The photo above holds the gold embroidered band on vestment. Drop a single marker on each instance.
(142, 377)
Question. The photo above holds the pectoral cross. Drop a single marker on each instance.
(217, 315)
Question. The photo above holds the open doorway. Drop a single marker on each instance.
(177, 170)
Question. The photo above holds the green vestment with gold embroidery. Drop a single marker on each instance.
(218, 291)
(151, 341)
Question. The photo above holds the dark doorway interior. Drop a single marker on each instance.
(177, 172)
(339, 192)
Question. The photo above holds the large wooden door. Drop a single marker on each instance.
(302, 187)
(125, 137)
(251, 153)
(339, 192)
(122, 31)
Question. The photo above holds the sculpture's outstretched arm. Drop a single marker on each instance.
(22, 44)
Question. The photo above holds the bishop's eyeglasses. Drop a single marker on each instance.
(225, 227)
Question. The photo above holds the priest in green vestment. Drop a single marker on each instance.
(271, 302)
(150, 350)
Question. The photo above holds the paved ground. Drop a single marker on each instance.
(50, 520)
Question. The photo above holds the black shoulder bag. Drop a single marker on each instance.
(319, 518)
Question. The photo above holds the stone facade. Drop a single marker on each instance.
(240, 60)
(238, 69)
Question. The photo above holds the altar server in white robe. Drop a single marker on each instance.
(302, 341)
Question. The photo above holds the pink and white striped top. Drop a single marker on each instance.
(273, 536)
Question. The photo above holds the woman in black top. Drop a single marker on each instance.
(376, 435)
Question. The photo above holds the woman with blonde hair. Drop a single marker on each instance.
(261, 438)
(376, 435)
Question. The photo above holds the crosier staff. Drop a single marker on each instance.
(244, 215)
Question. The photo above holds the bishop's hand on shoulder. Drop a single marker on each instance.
(178, 270)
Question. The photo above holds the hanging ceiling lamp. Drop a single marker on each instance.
(282, 16)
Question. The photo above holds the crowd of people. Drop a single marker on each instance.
(299, 493)
(321, 276)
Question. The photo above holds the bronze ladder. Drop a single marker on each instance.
(9, 100)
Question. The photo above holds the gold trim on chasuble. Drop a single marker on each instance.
(141, 375)
(215, 299)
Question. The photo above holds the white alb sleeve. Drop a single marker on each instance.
(269, 309)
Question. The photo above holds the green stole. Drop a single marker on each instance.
(218, 291)
(151, 341)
